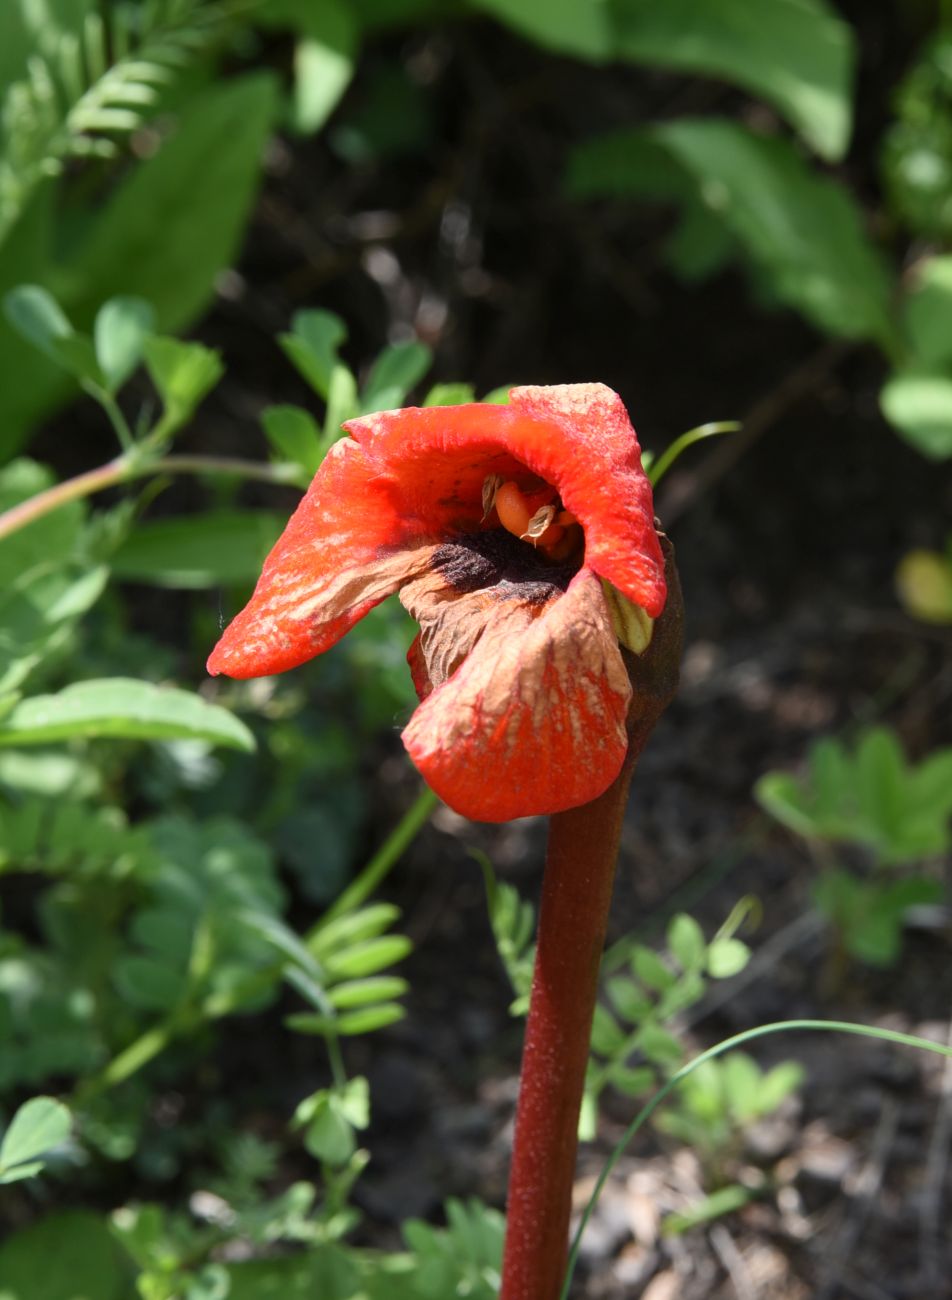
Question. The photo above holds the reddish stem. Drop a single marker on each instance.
(576, 894)
(573, 917)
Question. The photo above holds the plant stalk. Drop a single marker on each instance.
(573, 918)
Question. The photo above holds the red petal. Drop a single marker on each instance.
(534, 719)
(576, 437)
(345, 549)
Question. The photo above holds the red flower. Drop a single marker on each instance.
(496, 525)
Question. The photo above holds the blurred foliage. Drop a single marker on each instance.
(896, 815)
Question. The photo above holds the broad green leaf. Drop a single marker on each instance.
(224, 548)
(796, 54)
(660, 1047)
(149, 982)
(607, 1036)
(880, 786)
(313, 346)
(295, 436)
(38, 317)
(580, 28)
(70, 1255)
(183, 373)
(329, 1134)
(628, 999)
(122, 325)
(742, 1078)
(39, 1125)
(176, 221)
(323, 63)
(777, 1085)
(395, 372)
(450, 395)
(123, 708)
(919, 405)
(686, 942)
(802, 231)
(650, 969)
(927, 313)
(727, 957)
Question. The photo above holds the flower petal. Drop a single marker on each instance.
(347, 546)
(533, 721)
(577, 437)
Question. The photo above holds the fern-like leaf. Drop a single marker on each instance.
(94, 86)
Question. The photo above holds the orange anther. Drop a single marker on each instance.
(513, 510)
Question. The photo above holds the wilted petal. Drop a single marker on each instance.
(347, 547)
(533, 720)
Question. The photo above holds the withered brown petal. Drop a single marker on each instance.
(532, 720)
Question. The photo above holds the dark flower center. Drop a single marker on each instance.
(496, 559)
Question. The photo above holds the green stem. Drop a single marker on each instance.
(124, 469)
(667, 458)
(392, 849)
(131, 1059)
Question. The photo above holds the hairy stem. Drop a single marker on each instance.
(573, 918)
(576, 894)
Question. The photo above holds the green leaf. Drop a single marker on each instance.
(182, 373)
(726, 957)
(919, 405)
(660, 1047)
(580, 28)
(395, 372)
(450, 395)
(329, 1134)
(724, 1201)
(38, 317)
(628, 999)
(650, 969)
(782, 796)
(927, 313)
(686, 942)
(223, 548)
(149, 983)
(801, 230)
(66, 1256)
(120, 331)
(39, 1125)
(324, 59)
(352, 927)
(295, 436)
(360, 993)
(369, 1019)
(124, 708)
(177, 219)
(313, 346)
(368, 957)
(607, 1037)
(778, 1084)
(796, 54)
